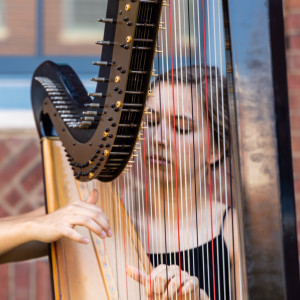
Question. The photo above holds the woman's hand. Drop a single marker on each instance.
(61, 223)
(37, 226)
(164, 282)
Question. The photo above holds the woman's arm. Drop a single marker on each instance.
(26, 236)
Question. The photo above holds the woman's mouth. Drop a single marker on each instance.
(158, 160)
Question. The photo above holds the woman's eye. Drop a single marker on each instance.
(151, 123)
(182, 131)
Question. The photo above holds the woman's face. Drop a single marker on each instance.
(185, 126)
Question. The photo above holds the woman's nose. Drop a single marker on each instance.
(158, 135)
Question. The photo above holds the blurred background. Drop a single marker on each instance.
(32, 31)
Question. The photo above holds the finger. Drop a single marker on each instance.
(74, 235)
(161, 278)
(88, 223)
(97, 215)
(94, 197)
(136, 274)
(141, 277)
(173, 288)
(191, 286)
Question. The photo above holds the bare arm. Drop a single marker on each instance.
(26, 236)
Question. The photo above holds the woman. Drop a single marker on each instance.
(26, 236)
(189, 211)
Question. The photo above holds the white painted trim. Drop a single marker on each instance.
(16, 119)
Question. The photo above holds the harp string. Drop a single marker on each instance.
(208, 150)
(223, 151)
(195, 224)
(182, 8)
(159, 194)
(202, 183)
(192, 160)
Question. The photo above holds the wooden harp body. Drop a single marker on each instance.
(250, 66)
(97, 270)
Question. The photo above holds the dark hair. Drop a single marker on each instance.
(216, 89)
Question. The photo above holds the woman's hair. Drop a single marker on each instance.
(216, 95)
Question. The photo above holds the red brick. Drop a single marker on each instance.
(13, 197)
(17, 142)
(296, 145)
(293, 62)
(294, 102)
(295, 122)
(292, 4)
(293, 81)
(32, 178)
(4, 151)
(292, 22)
(297, 187)
(17, 163)
(296, 164)
(22, 283)
(4, 276)
(26, 208)
(3, 213)
(294, 42)
(43, 281)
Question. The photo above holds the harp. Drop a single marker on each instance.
(218, 136)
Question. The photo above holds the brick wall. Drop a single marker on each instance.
(21, 190)
(292, 29)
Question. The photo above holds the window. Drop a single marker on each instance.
(80, 24)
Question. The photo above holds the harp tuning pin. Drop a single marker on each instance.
(104, 43)
(106, 152)
(90, 113)
(161, 26)
(91, 175)
(103, 63)
(106, 20)
(149, 94)
(99, 79)
(97, 95)
(94, 105)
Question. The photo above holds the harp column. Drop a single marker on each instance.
(263, 165)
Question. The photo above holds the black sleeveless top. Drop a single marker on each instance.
(201, 265)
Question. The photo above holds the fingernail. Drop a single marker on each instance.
(103, 233)
(109, 232)
(86, 240)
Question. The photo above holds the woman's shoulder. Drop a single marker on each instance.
(230, 222)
